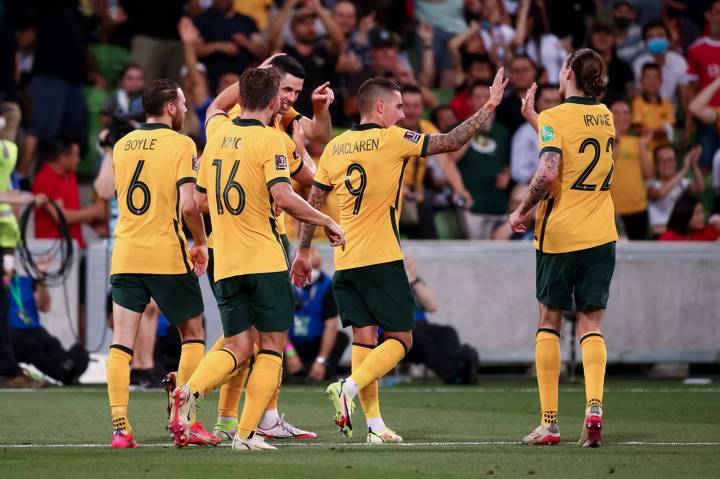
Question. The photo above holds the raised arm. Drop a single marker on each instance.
(464, 132)
(528, 107)
(699, 106)
(273, 32)
(197, 86)
(336, 42)
(320, 127)
(544, 177)
(224, 101)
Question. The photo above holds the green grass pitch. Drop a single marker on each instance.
(655, 429)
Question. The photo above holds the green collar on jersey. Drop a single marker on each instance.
(247, 122)
(582, 100)
(153, 126)
(365, 126)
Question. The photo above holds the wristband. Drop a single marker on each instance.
(489, 106)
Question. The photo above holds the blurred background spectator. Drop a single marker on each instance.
(316, 342)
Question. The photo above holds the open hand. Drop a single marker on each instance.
(528, 103)
(199, 257)
(301, 270)
(497, 89)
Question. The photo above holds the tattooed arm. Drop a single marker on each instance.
(539, 186)
(464, 132)
(301, 268)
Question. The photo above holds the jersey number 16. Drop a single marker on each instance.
(223, 202)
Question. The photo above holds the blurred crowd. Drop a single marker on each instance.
(72, 72)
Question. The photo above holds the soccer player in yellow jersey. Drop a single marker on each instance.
(364, 166)
(243, 179)
(155, 180)
(302, 169)
(574, 237)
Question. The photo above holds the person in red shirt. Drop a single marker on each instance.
(56, 179)
(687, 222)
(703, 60)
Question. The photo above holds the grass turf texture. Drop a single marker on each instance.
(475, 429)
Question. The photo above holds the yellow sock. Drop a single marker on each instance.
(218, 344)
(594, 358)
(211, 370)
(118, 383)
(369, 399)
(547, 366)
(261, 386)
(191, 354)
(274, 399)
(231, 392)
(378, 362)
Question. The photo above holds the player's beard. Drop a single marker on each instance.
(177, 121)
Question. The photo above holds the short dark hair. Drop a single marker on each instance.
(651, 25)
(679, 220)
(435, 113)
(476, 84)
(158, 94)
(410, 88)
(650, 66)
(258, 86)
(660, 148)
(472, 58)
(130, 66)
(588, 68)
(373, 88)
(50, 150)
(623, 3)
(288, 65)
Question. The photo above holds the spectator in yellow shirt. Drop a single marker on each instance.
(632, 169)
(650, 111)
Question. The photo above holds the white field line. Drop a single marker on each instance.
(362, 444)
(410, 390)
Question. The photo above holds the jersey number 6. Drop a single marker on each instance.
(135, 184)
(580, 182)
(224, 201)
(360, 190)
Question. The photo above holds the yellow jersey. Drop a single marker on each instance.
(415, 171)
(150, 164)
(577, 213)
(652, 115)
(365, 167)
(241, 161)
(284, 124)
(628, 185)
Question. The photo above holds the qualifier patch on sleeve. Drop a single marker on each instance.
(412, 136)
(281, 162)
(547, 133)
(195, 163)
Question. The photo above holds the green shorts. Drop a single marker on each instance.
(177, 295)
(374, 295)
(584, 275)
(264, 300)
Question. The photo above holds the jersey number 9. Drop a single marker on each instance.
(136, 184)
(358, 191)
(223, 202)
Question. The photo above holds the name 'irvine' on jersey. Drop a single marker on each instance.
(241, 161)
(578, 212)
(149, 165)
(365, 166)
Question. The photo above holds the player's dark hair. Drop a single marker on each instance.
(410, 89)
(159, 93)
(650, 66)
(652, 25)
(287, 65)
(258, 86)
(371, 90)
(588, 68)
(682, 212)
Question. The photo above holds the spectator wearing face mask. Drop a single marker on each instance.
(672, 65)
(628, 33)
